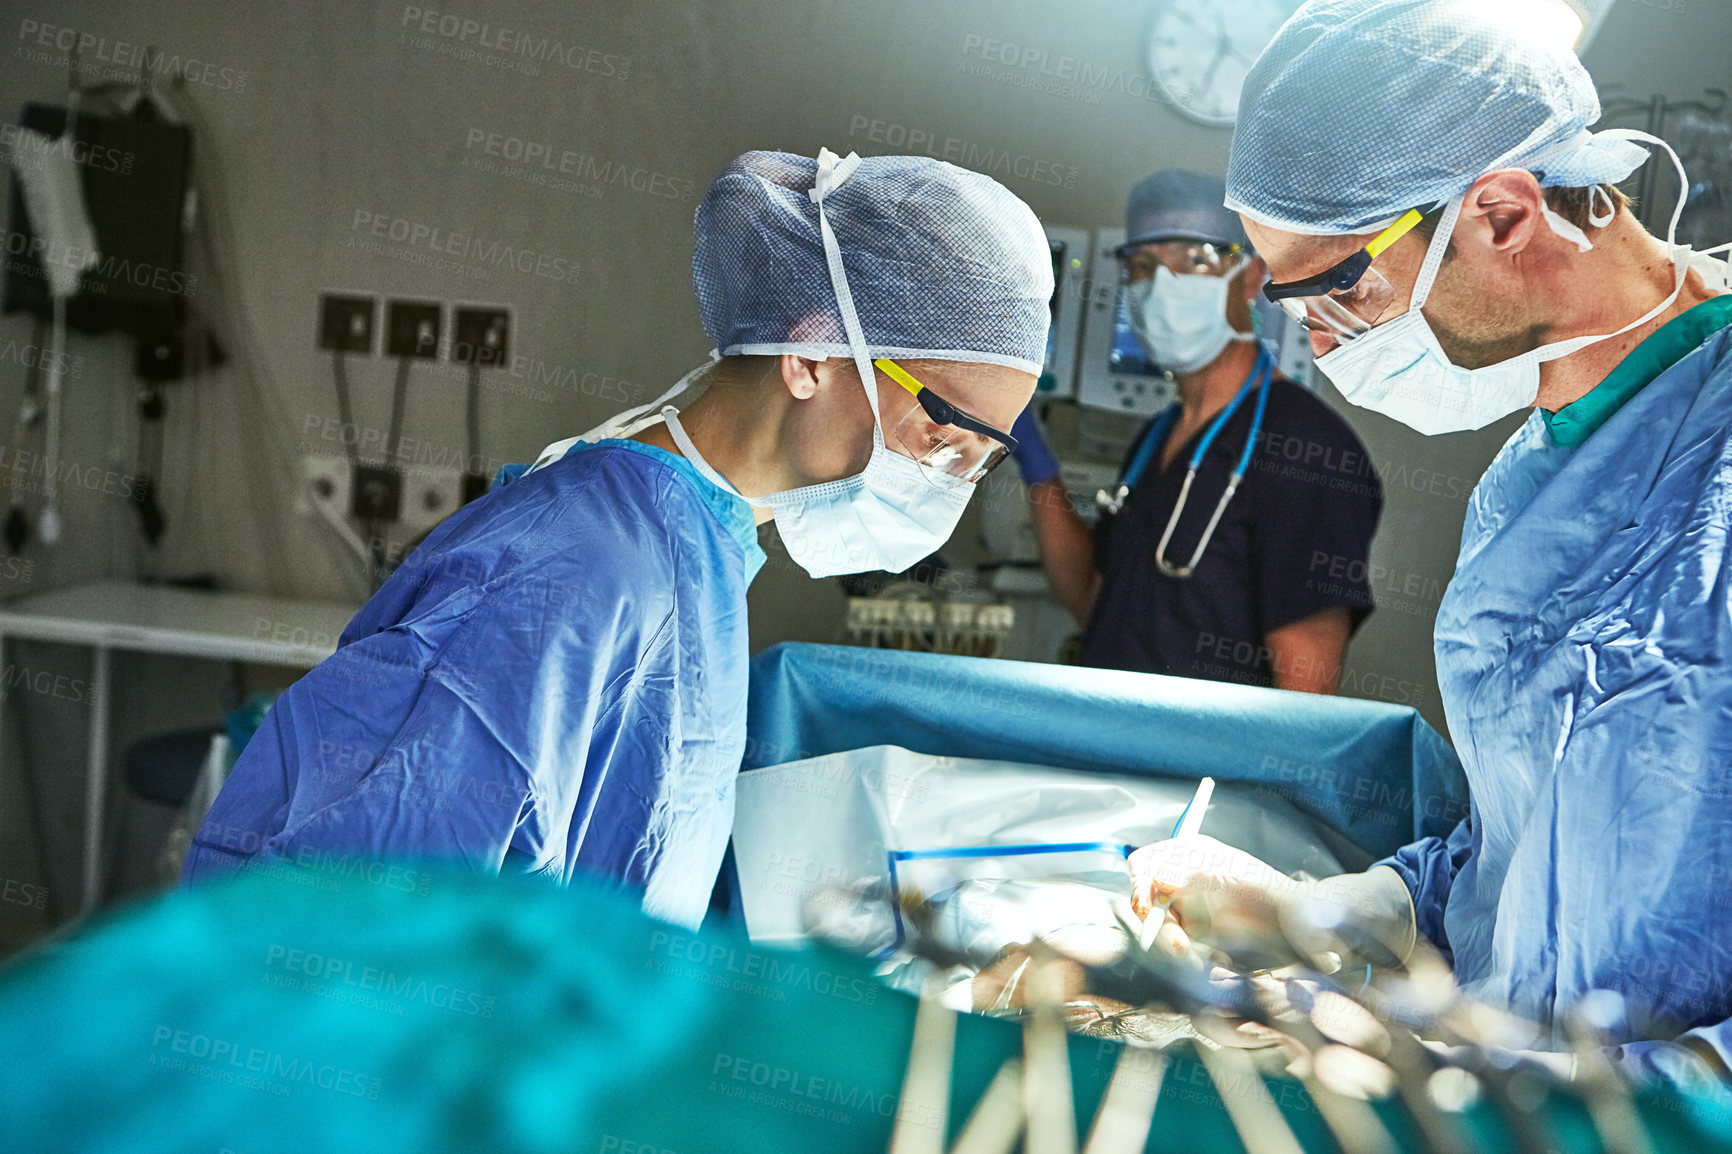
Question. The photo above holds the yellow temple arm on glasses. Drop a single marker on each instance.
(900, 375)
(1394, 232)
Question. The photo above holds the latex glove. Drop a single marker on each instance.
(1247, 909)
(1033, 458)
(1559, 1064)
(1001, 983)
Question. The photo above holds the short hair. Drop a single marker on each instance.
(1575, 205)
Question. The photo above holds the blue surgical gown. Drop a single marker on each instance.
(1584, 654)
(554, 682)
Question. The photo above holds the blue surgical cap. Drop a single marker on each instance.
(1359, 110)
(941, 263)
(1174, 204)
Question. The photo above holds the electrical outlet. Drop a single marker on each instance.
(480, 336)
(327, 479)
(378, 493)
(346, 323)
(412, 329)
(429, 496)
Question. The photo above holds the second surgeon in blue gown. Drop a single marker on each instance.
(554, 682)
(1451, 232)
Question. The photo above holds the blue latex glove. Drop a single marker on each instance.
(1033, 458)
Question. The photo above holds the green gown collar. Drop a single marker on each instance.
(1669, 344)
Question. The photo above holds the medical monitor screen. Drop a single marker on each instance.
(1127, 354)
(1058, 252)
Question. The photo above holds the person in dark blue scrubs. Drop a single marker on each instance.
(1273, 593)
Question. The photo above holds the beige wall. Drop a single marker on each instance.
(345, 110)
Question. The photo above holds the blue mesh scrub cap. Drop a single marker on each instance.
(937, 262)
(1359, 110)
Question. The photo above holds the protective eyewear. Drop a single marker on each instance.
(942, 437)
(1182, 257)
(1347, 300)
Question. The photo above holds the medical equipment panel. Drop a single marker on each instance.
(1070, 264)
(1113, 371)
(134, 174)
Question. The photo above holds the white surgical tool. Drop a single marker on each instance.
(1189, 823)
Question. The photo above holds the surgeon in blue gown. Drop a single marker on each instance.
(1584, 646)
(554, 682)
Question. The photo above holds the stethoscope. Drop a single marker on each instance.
(1157, 436)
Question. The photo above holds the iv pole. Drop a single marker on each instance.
(1658, 108)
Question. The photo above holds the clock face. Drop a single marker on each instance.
(1200, 51)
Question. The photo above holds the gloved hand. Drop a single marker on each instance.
(1247, 909)
(1033, 458)
(1562, 1065)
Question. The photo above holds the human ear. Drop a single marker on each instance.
(1505, 206)
(800, 375)
(1255, 273)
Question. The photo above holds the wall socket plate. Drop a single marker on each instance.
(378, 493)
(429, 496)
(346, 323)
(327, 478)
(412, 329)
(480, 335)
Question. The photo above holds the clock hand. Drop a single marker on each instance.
(1247, 57)
(1209, 80)
(1187, 18)
(1223, 38)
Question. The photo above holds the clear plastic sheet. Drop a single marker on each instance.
(1002, 852)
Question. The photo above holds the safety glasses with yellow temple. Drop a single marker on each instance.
(1346, 300)
(943, 438)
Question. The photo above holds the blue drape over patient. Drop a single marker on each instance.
(1584, 653)
(554, 682)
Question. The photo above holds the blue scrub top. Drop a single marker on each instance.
(1294, 541)
(554, 682)
(1584, 654)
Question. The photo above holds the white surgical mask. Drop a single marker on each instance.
(1181, 321)
(1400, 370)
(888, 516)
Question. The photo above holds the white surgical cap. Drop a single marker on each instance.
(1359, 110)
(941, 263)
